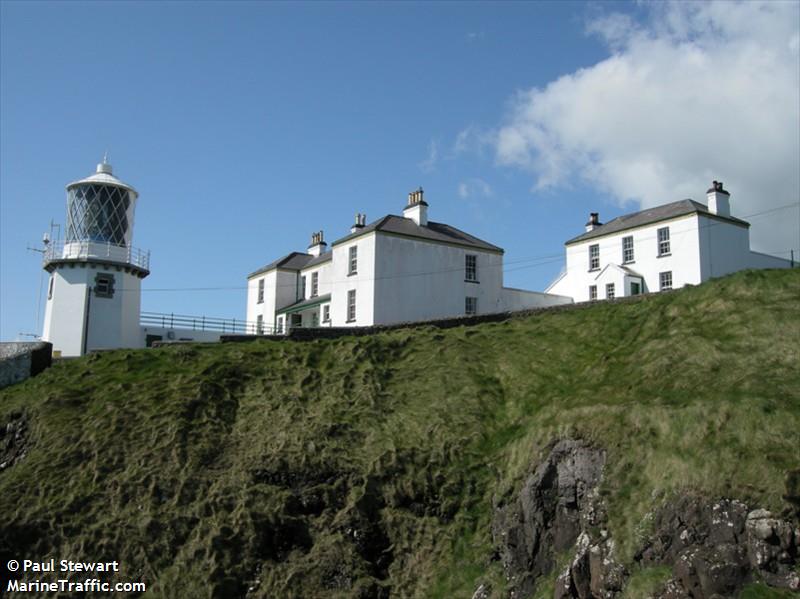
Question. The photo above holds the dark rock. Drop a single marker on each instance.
(545, 519)
(715, 549)
(14, 441)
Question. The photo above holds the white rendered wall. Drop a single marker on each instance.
(419, 280)
(113, 322)
(175, 334)
(265, 309)
(324, 272)
(683, 260)
(759, 260)
(520, 299)
(363, 282)
(65, 310)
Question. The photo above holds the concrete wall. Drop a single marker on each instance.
(520, 299)
(19, 361)
(112, 321)
(420, 280)
(167, 334)
(341, 281)
(724, 247)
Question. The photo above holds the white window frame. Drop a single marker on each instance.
(592, 293)
(665, 280)
(594, 256)
(471, 268)
(259, 324)
(352, 263)
(611, 291)
(279, 325)
(627, 249)
(663, 241)
(260, 299)
(470, 305)
(301, 292)
(326, 313)
(315, 284)
(351, 305)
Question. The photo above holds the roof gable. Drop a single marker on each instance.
(434, 232)
(653, 215)
(291, 261)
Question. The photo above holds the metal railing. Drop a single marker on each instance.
(204, 323)
(81, 250)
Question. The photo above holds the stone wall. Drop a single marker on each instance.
(21, 360)
(309, 334)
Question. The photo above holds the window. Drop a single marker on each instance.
(353, 264)
(592, 292)
(104, 285)
(279, 326)
(261, 291)
(260, 324)
(302, 291)
(665, 280)
(50, 288)
(594, 256)
(315, 319)
(627, 249)
(314, 284)
(471, 306)
(663, 241)
(326, 313)
(610, 291)
(636, 288)
(471, 271)
(351, 305)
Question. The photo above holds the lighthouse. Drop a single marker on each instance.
(94, 290)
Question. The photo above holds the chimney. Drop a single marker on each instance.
(318, 245)
(719, 200)
(361, 220)
(417, 208)
(594, 221)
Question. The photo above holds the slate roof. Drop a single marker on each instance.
(652, 215)
(438, 232)
(293, 261)
(318, 259)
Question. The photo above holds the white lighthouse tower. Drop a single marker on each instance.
(94, 292)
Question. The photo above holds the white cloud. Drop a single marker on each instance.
(700, 91)
(474, 188)
(429, 164)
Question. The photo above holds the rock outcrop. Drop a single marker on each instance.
(556, 504)
(714, 548)
(13, 440)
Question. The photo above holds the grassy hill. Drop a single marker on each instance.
(358, 466)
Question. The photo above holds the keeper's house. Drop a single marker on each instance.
(661, 248)
(395, 269)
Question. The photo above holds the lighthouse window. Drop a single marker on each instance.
(50, 288)
(104, 284)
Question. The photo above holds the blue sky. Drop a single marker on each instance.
(247, 126)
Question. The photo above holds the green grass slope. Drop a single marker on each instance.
(339, 468)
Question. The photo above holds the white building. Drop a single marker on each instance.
(94, 290)
(395, 269)
(657, 249)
